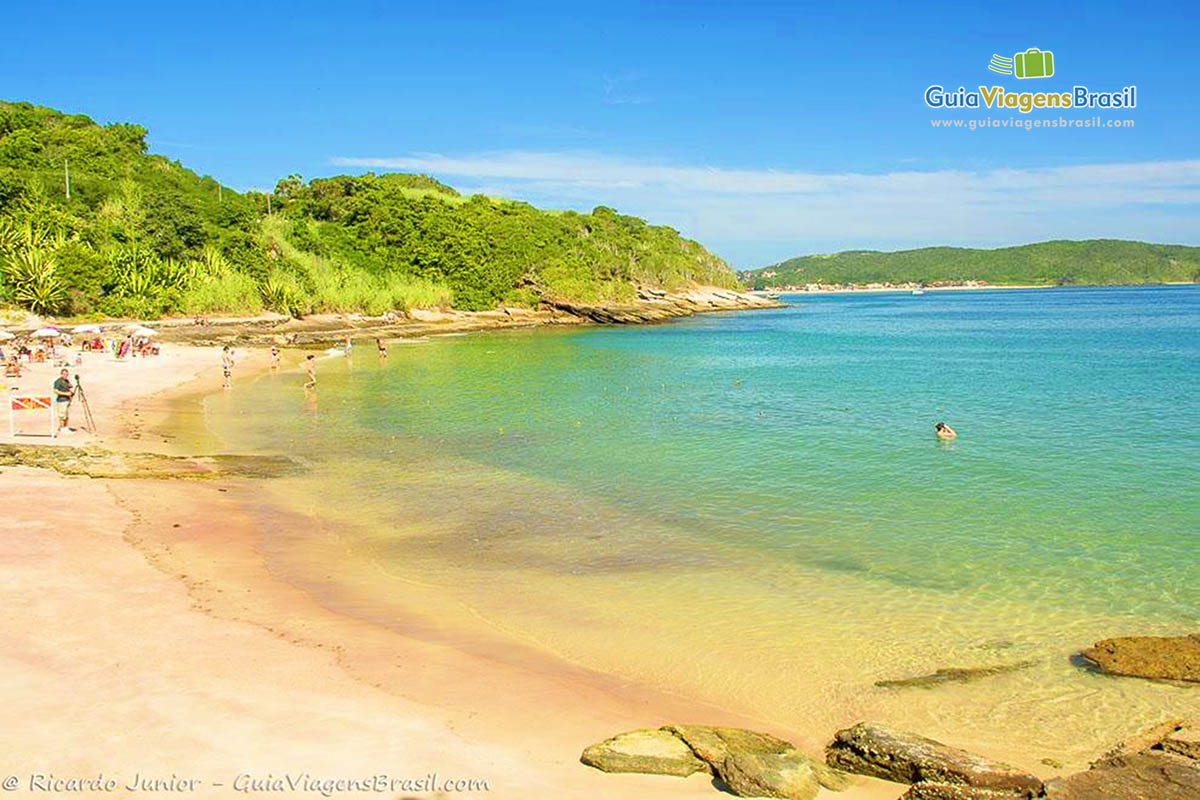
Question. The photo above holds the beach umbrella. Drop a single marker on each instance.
(87, 328)
(5, 336)
(133, 326)
(145, 332)
(46, 333)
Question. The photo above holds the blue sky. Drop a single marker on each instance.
(763, 129)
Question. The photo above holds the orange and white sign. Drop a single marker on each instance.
(30, 402)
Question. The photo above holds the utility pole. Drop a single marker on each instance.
(67, 178)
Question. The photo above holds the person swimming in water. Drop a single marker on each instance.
(945, 432)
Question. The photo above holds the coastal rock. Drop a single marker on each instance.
(747, 763)
(907, 758)
(1161, 762)
(1134, 777)
(1180, 737)
(1184, 741)
(953, 675)
(94, 462)
(656, 305)
(655, 751)
(714, 744)
(770, 775)
(1174, 658)
(946, 791)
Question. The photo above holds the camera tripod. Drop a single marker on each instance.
(87, 409)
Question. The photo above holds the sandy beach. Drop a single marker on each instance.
(148, 643)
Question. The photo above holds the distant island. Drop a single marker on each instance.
(1092, 262)
(93, 225)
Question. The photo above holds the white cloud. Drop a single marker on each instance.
(739, 209)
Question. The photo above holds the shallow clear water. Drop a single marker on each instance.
(752, 508)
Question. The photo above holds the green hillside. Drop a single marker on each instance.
(141, 235)
(1096, 262)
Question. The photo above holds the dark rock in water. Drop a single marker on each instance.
(954, 675)
(907, 758)
(1175, 658)
(1133, 777)
(747, 763)
(654, 751)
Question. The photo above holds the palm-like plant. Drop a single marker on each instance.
(30, 273)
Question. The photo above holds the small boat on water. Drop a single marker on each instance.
(918, 291)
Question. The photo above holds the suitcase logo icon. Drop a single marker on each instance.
(1033, 63)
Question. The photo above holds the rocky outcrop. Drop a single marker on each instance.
(954, 675)
(907, 758)
(946, 791)
(1162, 763)
(756, 764)
(1179, 737)
(655, 751)
(769, 775)
(94, 462)
(747, 763)
(1175, 658)
(1134, 777)
(317, 330)
(656, 305)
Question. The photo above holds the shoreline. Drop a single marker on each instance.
(164, 578)
(904, 288)
(465, 684)
(651, 306)
(957, 287)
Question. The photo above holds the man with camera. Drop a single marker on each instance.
(63, 393)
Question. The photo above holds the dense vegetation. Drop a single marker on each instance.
(1096, 262)
(141, 235)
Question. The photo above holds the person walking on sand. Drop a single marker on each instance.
(227, 366)
(63, 393)
(310, 369)
(274, 357)
(945, 432)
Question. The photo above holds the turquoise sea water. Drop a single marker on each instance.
(737, 505)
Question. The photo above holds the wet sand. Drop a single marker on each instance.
(147, 637)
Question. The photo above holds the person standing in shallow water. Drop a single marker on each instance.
(945, 432)
(310, 369)
(274, 357)
(381, 347)
(227, 365)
